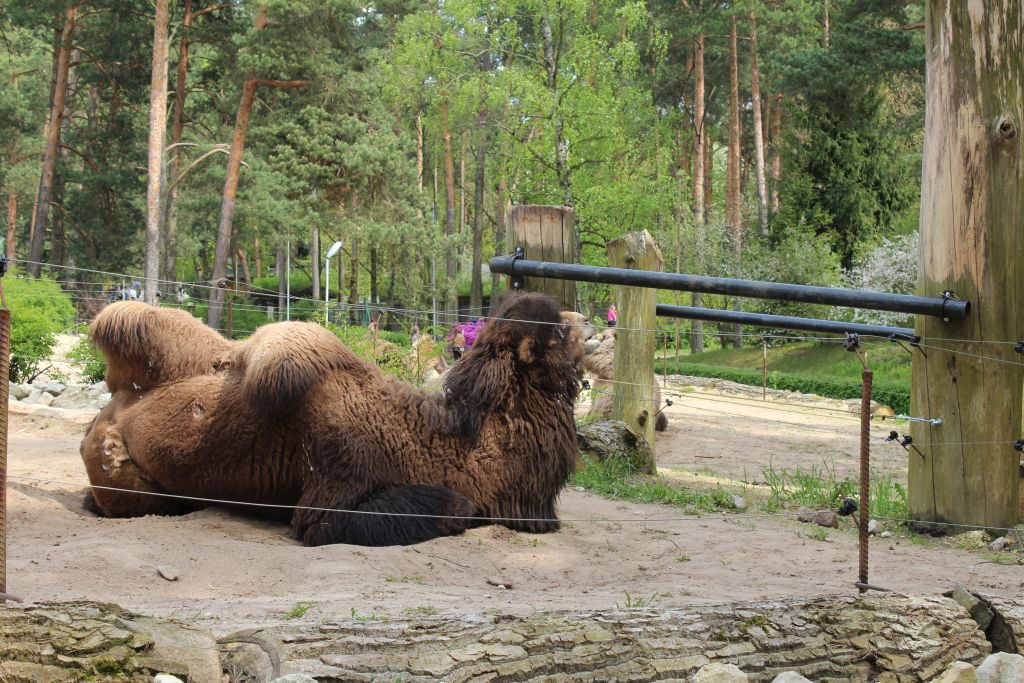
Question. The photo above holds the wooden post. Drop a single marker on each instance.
(633, 399)
(547, 233)
(764, 370)
(971, 243)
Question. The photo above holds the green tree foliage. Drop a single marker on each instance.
(39, 310)
(581, 102)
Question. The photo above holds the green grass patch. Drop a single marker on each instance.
(823, 370)
(615, 478)
(819, 488)
(297, 611)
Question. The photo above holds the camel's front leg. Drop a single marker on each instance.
(401, 515)
(114, 475)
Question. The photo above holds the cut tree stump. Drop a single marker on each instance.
(876, 637)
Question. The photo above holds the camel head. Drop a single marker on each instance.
(528, 341)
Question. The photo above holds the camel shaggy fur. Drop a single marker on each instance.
(291, 416)
(599, 360)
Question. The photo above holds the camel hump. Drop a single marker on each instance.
(148, 345)
(282, 362)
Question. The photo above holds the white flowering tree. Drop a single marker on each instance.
(891, 267)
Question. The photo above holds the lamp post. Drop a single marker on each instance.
(335, 248)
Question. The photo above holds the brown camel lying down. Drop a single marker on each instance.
(599, 360)
(291, 416)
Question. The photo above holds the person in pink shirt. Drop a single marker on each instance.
(612, 316)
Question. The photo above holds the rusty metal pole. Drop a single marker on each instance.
(865, 467)
(5, 366)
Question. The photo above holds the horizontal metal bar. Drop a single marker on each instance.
(786, 322)
(902, 303)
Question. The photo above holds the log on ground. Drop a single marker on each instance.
(851, 638)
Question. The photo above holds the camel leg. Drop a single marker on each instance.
(388, 529)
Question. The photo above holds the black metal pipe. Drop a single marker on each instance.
(786, 322)
(940, 307)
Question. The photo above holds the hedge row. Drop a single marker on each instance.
(896, 395)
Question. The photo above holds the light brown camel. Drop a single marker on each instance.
(599, 360)
(291, 416)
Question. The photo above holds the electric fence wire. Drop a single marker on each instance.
(722, 515)
(426, 313)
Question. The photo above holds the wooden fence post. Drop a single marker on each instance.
(972, 244)
(547, 233)
(633, 399)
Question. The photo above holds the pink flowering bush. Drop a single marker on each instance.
(469, 331)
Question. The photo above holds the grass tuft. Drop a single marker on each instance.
(616, 478)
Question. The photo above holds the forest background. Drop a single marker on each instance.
(776, 140)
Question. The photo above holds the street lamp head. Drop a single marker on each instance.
(334, 249)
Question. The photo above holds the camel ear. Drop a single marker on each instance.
(146, 345)
(281, 363)
(474, 385)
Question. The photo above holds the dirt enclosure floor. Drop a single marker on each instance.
(235, 572)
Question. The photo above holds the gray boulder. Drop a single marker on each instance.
(1001, 667)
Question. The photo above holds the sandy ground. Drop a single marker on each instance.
(237, 572)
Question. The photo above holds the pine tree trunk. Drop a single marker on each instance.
(733, 188)
(353, 279)
(227, 206)
(450, 227)
(156, 142)
(240, 259)
(257, 254)
(755, 97)
(169, 224)
(12, 224)
(314, 258)
(476, 290)
(374, 292)
(699, 144)
(62, 62)
(776, 150)
(500, 217)
(279, 268)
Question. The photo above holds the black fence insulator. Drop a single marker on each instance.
(1018, 445)
(848, 507)
(907, 440)
(1019, 347)
(893, 436)
(586, 385)
(852, 342)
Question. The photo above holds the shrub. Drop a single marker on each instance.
(39, 310)
(88, 359)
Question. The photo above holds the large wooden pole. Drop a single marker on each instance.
(972, 244)
(547, 234)
(633, 398)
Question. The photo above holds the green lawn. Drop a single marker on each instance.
(823, 369)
